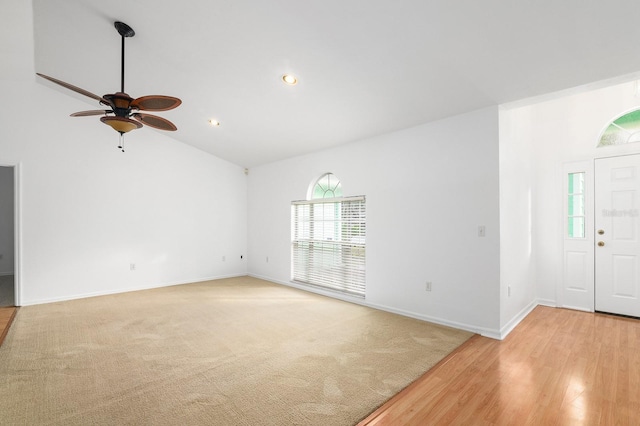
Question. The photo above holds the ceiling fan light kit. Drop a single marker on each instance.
(120, 124)
(123, 115)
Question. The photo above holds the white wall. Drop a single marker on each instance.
(553, 133)
(6, 220)
(517, 259)
(87, 210)
(428, 189)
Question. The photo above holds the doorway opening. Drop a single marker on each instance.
(7, 236)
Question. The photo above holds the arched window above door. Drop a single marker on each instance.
(621, 130)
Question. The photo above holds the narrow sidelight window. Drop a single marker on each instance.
(576, 210)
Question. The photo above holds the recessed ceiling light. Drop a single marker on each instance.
(289, 79)
(214, 122)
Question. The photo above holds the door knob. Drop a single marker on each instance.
(600, 231)
(600, 243)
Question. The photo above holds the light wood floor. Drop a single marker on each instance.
(558, 367)
(6, 318)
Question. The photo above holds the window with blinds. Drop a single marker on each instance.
(328, 248)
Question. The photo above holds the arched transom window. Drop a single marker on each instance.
(623, 129)
(328, 186)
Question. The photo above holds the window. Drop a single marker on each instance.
(622, 130)
(576, 211)
(328, 233)
(328, 186)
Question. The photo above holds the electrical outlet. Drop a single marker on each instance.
(224, 258)
(427, 286)
(482, 231)
(132, 266)
(267, 259)
(509, 291)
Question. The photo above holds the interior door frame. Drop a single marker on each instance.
(17, 230)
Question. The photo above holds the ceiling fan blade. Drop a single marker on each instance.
(92, 112)
(75, 88)
(154, 121)
(155, 103)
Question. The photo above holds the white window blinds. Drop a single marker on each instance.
(328, 248)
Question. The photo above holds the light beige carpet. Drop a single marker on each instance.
(239, 351)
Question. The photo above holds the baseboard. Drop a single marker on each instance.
(106, 293)
(554, 304)
(436, 320)
(508, 328)
(548, 302)
(494, 334)
(576, 308)
(343, 297)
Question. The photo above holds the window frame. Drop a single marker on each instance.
(570, 200)
(336, 263)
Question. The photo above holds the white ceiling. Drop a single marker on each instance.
(365, 67)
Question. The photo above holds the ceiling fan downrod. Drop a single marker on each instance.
(125, 31)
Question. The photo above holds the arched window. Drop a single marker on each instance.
(328, 238)
(328, 186)
(623, 129)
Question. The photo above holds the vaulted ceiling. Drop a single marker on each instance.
(364, 67)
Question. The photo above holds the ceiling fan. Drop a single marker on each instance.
(123, 114)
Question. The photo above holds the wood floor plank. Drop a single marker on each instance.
(6, 318)
(557, 367)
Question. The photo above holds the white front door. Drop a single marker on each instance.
(617, 237)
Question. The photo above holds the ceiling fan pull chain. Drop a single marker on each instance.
(121, 142)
